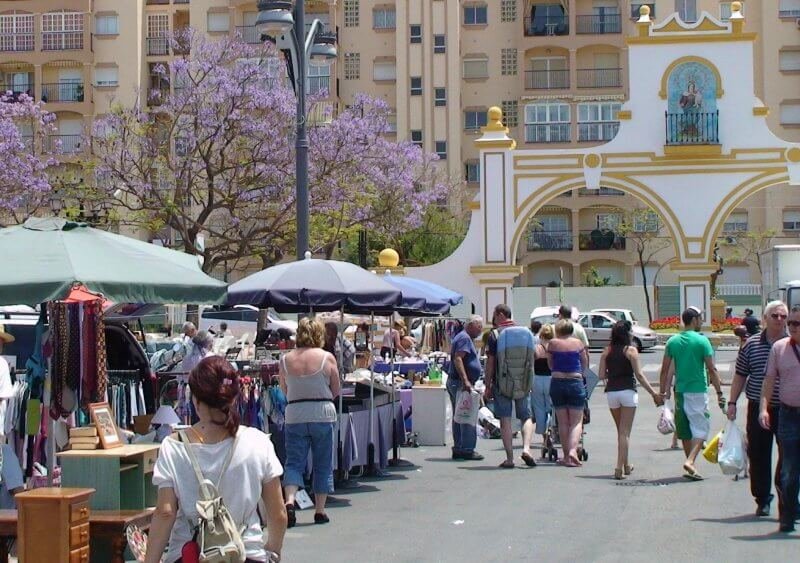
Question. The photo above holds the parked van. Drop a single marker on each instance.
(242, 320)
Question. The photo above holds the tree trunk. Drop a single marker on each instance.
(646, 293)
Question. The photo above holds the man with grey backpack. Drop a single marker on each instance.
(211, 479)
(509, 375)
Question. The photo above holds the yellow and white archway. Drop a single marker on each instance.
(693, 143)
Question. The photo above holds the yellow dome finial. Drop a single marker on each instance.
(388, 258)
(495, 115)
(644, 14)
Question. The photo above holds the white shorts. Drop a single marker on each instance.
(695, 407)
(624, 398)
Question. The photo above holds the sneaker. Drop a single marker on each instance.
(762, 509)
(458, 455)
(472, 456)
(786, 528)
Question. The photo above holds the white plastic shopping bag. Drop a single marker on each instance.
(731, 450)
(666, 419)
(467, 405)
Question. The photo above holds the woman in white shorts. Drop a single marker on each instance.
(620, 368)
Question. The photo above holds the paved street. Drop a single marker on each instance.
(438, 510)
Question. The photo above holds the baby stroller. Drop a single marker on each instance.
(549, 450)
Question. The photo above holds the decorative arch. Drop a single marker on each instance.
(663, 92)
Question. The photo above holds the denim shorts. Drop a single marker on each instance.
(567, 393)
(502, 406)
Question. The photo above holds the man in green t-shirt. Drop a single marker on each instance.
(693, 357)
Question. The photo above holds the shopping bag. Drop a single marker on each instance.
(666, 420)
(731, 450)
(711, 451)
(467, 405)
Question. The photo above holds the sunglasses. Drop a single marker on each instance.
(778, 316)
(793, 324)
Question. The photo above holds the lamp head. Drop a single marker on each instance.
(323, 51)
(274, 17)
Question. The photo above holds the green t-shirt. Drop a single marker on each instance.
(688, 350)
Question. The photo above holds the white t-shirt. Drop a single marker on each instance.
(579, 333)
(254, 462)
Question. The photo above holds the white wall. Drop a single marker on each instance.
(584, 298)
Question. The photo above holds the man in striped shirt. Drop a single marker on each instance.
(751, 366)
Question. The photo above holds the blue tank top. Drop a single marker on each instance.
(567, 362)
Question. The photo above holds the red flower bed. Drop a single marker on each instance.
(665, 322)
(675, 322)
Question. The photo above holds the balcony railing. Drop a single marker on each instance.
(157, 46)
(599, 77)
(318, 84)
(700, 128)
(547, 25)
(17, 42)
(601, 191)
(63, 92)
(547, 132)
(600, 239)
(157, 2)
(62, 40)
(597, 131)
(610, 23)
(63, 144)
(16, 90)
(250, 34)
(547, 79)
(550, 240)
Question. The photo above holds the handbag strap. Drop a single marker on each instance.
(196, 466)
(793, 346)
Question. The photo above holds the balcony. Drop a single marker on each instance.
(599, 78)
(157, 46)
(62, 40)
(16, 90)
(17, 42)
(249, 34)
(63, 144)
(158, 2)
(600, 239)
(549, 241)
(546, 25)
(63, 92)
(547, 132)
(547, 79)
(316, 85)
(598, 25)
(597, 131)
(700, 128)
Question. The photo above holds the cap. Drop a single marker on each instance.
(690, 314)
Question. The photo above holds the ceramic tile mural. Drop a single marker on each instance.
(692, 88)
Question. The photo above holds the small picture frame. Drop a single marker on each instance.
(103, 419)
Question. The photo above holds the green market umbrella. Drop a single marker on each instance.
(45, 257)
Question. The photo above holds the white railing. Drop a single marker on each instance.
(739, 289)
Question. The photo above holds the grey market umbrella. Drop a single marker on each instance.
(45, 257)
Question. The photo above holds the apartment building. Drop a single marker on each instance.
(558, 69)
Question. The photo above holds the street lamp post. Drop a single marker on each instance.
(286, 27)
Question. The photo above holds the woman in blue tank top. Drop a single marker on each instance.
(568, 359)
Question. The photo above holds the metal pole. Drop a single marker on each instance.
(301, 142)
(371, 443)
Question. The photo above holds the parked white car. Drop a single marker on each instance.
(243, 320)
(598, 330)
(549, 314)
(619, 314)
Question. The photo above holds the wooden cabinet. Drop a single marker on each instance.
(123, 477)
(41, 531)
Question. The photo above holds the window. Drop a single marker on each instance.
(472, 171)
(416, 137)
(789, 8)
(725, 10)
(219, 22)
(687, 10)
(598, 121)
(791, 220)
(547, 123)
(790, 113)
(383, 18)
(351, 13)
(508, 62)
(789, 60)
(476, 15)
(646, 223)
(548, 73)
(476, 68)
(106, 76)
(441, 149)
(416, 85)
(474, 119)
(391, 122)
(608, 221)
(384, 71)
(16, 32)
(735, 222)
(508, 11)
(319, 79)
(510, 112)
(439, 97)
(352, 66)
(415, 33)
(635, 10)
(62, 31)
(106, 25)
(439, 44)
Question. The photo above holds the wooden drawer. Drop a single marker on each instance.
(79, 512)
(79, 536)
(149, 461)
(79, 555)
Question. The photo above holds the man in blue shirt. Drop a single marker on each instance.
(465, 370)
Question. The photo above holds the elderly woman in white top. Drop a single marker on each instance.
(202, 342)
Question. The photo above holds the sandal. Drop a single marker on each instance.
(291, 517)
(618, 475)
(693, 476)
(628, 469)
(507, 465)
(528, 459)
